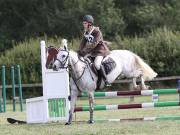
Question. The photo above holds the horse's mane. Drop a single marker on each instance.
(73, 52)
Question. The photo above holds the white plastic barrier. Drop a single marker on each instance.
(54, 104)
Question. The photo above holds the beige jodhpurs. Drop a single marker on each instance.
(97, 62)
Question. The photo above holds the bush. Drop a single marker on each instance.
(27, 55)
(160, 49)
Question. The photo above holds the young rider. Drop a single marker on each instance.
(92, 44)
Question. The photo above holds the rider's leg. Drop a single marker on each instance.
(100, 68)
(97, 62)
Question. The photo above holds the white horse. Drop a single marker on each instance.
(84, 80)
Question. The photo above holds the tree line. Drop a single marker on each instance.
(148, 28)
(23, 19)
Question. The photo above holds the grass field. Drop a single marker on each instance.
(167, 127)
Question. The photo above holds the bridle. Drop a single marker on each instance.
(75, 79)
(62, 63)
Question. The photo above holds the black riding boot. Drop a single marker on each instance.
(103, 74)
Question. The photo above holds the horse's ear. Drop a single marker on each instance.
(64, 44)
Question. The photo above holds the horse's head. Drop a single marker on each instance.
(52, 53)
(51, 56)
(61, 60)
(62, 57)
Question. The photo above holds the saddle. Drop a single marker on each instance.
(108, 65)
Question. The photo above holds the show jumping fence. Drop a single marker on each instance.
(133, 106)
(54, 104)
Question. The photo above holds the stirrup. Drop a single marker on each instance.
(107, 84)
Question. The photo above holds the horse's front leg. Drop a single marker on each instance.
(72, 106)
(73, 98)
(91, 106)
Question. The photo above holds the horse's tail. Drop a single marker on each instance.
(148, 72)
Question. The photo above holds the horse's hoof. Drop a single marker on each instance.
(68, 123)
(138, 87)
(91, 121)
(146, 87)
(108, 85)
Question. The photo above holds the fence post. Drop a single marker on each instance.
(20, 87)
(0, 101)
(4, 87)
(13, 88)
(131, 98)
(179, 88)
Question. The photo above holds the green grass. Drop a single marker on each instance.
(105, 128)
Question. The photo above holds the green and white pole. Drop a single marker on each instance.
(159, 118)
(129, 106)
(133, 93)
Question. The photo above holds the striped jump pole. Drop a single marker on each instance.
(128, 106)
(134, 93)
(159, 118)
